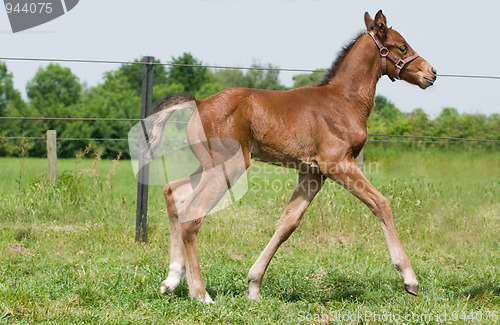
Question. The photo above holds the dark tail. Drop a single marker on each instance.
(172, 100)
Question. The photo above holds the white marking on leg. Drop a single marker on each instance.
(175, 274)
(207, 299)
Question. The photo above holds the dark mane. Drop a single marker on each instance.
(340, 57)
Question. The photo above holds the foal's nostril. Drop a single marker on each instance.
(434, 71)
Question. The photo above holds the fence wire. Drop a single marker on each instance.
(78, 119)
(431, 139)
(434, 139)
(208, 66)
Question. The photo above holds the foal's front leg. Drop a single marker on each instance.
(307, 187)
(348, 174)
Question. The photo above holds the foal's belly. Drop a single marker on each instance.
(285, 154)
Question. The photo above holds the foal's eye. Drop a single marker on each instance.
(403, 48)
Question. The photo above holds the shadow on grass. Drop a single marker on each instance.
(479, 290)
(351, 294)
(333, 290)
(345, 292)
(330, 289)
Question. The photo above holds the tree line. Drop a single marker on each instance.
(55, 91)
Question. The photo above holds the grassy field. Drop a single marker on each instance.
(68, 254)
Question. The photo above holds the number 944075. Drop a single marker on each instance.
(29, 8)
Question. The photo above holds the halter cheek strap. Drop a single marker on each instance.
(386, 54)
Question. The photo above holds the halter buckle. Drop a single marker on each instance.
(384, 51)
(400, 64)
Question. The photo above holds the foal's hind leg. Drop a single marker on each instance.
(348, 174)
(175, 194)
(308, 186)
(212, 187)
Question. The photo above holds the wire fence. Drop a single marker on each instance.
(434, 139)
(428, 137)
(387, 137)
(78, 119)
(182, 122)
(212, 66)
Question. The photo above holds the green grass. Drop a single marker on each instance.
(69, 256)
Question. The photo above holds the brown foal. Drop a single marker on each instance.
(318, 129)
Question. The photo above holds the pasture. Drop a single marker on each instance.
(69, 256)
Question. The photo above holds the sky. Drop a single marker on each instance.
(456, 37)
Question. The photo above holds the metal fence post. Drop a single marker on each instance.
(143, 174)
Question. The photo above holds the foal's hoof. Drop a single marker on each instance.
(253, 290)
(411, 288)
(206, 299)
(253, 295)
(165, 288)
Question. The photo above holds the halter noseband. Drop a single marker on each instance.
(385, 54)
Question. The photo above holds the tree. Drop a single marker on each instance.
(192, 77)
(420, 123)
(492, 127)
(446, 122)
(264, 77)
(259, 77)
(11, 104)
(51, 93)
(162, 90)
(53, 86)
(112, 99)
(472, 126)
(386, 118)
(209, 89)
(9, 96)
(389, 113)
(231, 78)
(380, 102)
(307, 79)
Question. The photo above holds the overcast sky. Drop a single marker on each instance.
(457, 37)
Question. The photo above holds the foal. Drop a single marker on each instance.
(318, 129)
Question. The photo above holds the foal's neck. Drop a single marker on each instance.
(357, 75)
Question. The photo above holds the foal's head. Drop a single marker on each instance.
(412, 68)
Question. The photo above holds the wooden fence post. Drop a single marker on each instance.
(52, 154)
(143, 174)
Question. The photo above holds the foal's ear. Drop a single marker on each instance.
(380, 25)
(369, 22)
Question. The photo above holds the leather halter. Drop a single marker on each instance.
(385, 54)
